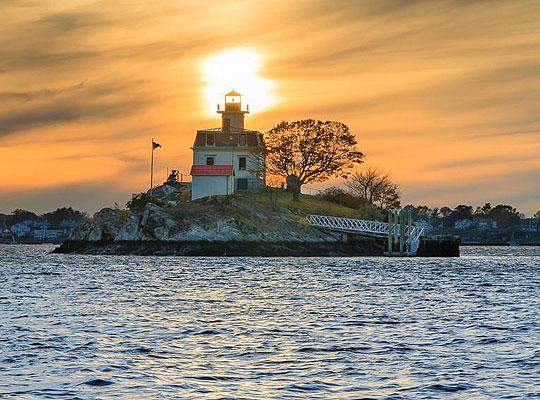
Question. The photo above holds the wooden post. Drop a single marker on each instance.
(390, 231)
(401, 233)
(396, 226)
(409, 235)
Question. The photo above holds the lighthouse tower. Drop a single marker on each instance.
(233, 115)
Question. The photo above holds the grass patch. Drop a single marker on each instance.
(307, 205)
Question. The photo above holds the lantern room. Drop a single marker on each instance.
(233, 115)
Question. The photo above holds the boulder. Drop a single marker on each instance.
(156, 223)
(109, 221)
(164, 191)
(130, 230)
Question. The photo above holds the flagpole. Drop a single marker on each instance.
(152, 166)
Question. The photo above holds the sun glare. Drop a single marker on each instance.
(236, 69)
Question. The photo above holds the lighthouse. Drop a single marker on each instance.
(230, 158)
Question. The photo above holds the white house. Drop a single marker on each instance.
(425, 225)
(22, 228)
(229, 158)
(529, 224)
(484, 223)
(48, 233)
(463, 224)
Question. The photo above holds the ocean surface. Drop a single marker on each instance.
(131, 327)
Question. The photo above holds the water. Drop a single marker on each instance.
(161, 327)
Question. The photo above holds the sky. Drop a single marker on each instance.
(443, 95)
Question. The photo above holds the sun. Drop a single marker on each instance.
(236, 69)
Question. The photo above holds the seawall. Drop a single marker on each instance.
(361, 247)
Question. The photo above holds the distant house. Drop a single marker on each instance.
(48, 233)
(230, 158)
(68, 224)
(5, 233)
(425, 225)
(462, 224)
(41, 225)
(22, 228)
(484, 223)
(529, 224)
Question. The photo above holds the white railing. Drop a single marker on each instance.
(376, 228)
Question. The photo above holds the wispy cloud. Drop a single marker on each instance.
(77, 103)
(37, 94)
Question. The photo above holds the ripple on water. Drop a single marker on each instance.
(149, 327)
(98, 382)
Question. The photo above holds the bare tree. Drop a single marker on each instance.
(375, 187)
(311, 150)
(389, 196)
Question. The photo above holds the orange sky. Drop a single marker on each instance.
(444, 95)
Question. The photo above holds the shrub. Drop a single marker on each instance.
(141, 200)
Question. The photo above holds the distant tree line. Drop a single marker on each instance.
(54, 218)
(505, 216)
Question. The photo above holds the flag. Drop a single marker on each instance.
(155, 145)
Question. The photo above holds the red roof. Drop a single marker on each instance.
(216, 170)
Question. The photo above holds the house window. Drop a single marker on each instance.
(210, 139)
(242, 184)
(242, 163)
(209, 160)
(242, 141)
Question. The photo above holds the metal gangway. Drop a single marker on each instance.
(411, 233)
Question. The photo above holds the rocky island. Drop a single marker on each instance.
(163, 221)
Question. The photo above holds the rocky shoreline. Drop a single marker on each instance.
(361, 247)
(163, 221)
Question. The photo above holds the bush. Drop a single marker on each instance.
(141, 200)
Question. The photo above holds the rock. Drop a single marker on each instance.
(130, 230)
(83, 232)
(215, 219)
(105, 225)
(166, 192)
(157, 223)
(109, 221)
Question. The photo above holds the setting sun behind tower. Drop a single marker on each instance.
(236, 69)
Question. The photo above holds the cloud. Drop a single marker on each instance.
(37, 94)
(66, 112)
(479, 160)
(507, 133)
(41, 58)
(64, 22)
(85, 101)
